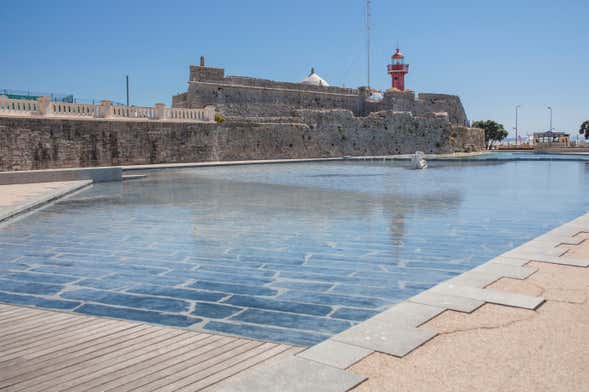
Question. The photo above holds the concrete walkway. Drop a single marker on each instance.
(499, 348)
(19, 198)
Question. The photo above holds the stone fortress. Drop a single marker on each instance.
(239, 96)
(255, 119)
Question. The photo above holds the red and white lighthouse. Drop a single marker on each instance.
(398, 69)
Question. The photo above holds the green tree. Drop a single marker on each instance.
(494, 132)
(584, 130)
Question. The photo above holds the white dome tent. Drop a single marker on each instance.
(314, 80)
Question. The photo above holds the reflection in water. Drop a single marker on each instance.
(343, 239)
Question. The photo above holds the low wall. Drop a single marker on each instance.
(96, 174)
(29, 143)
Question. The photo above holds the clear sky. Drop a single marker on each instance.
(494, 54)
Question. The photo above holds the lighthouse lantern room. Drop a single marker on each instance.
(398, 69)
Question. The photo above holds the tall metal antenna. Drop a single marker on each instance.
(368, 3)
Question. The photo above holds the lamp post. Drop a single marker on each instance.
(516, 113)
(127, 83)
(550, 108)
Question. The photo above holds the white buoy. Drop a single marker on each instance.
(418, 161)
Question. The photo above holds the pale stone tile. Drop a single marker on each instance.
(379, 336)
(492, 296)
(408, 315)
(450, 302)
(562, 260)
(336, 354)
(292, 374)
(505, 270)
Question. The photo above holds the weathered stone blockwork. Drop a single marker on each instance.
(253, 97)
(27, 143)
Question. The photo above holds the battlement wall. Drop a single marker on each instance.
(253, 97)
(263, 98)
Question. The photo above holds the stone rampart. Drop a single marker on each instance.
(253, 97)
(283, 99)
(32, 143)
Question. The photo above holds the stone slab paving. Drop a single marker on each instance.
(379, 336)
(336, 354)
(445, 301)
(292, 374)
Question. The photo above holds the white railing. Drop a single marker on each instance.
(43, 107)
(185, 114)
(17, 106)
(134, 112)
(64, 109)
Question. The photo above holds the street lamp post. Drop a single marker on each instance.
(516, 112)
(550, 108)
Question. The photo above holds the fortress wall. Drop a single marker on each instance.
(389, 133)
(253, 97)
(426, 103)
(257, 101)
(29, 143)
(443, 103)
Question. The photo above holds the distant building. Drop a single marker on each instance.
(314, 80)
(553, 139)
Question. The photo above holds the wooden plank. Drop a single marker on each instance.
(48, 343)
(213, 376)
(45, 334)
(42, 333)
(43, 350)
(15, 312)
(22, 326)
(148, 371)
(173, 381)
(55, 374)
(163, 355)
(28, 319)
(56, 381)
(103, 335)
(177, 368)
(58, 351)
(118, 345)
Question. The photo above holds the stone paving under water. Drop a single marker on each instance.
(291, 253)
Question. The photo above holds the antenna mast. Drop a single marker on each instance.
(368, 3)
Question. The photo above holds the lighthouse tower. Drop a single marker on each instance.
(398, 69)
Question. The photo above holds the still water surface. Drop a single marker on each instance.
(291, 252)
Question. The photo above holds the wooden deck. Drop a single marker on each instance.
(48, 351)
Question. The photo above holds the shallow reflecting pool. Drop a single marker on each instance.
(290, 252)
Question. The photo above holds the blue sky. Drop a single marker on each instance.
(493, 54)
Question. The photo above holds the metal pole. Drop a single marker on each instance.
(368, 40)
(516, 112)
(127, 79)
(550, 108)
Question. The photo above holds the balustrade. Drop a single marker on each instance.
(44, 107)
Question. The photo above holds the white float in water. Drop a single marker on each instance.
(418, 161)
